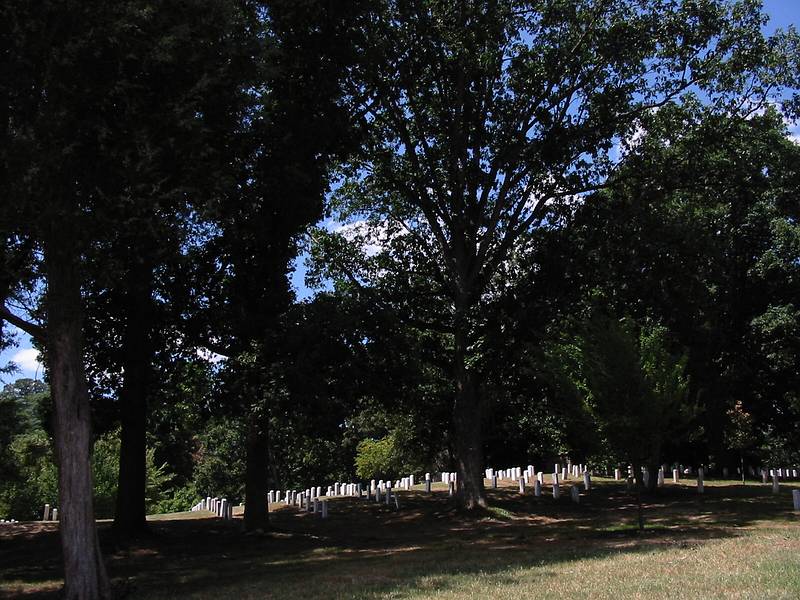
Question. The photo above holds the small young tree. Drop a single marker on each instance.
(635, 388)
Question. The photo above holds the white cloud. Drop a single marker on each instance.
(210, 356)
(27, 360)
(373, 238)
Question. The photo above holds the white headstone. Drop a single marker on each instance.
(576, 496)
(537, 488)
(587, 481)
(675, 475)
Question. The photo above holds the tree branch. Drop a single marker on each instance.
(35, 331)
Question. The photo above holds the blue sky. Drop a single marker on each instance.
(783, 13)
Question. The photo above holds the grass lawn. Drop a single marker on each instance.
(731, 542)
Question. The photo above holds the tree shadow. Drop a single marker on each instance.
(377, 548)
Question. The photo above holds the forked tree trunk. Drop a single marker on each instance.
(256, 513)
(130, 514)
(468, 428)
(85, 575)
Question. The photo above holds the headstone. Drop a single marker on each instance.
(324, 509)
(319, 491)
(564, 473)
(537, 488)
(764, 475)
(316, 505)
(587, 481)
(700, 481)
(556, 492)
(388, 492)
(411, 481)
(795, 500)
(646, 477)
(540, 477)
(451, 488)
(660, 482)
(494, 482)
(396, 502)
(427, 476)
(521, 485)
(617, 474)
(55, 514)
(776, 488)
(675, 475)
(46, 513)
(377, 495)
(427, 486)
(576, 496)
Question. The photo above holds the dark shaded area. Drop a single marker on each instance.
(184, 556)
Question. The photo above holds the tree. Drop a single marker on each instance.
(486, 116)
(67, 139)
(634, 387)
(297, 127)
(700, 235)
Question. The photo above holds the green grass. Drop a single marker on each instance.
(732, 542)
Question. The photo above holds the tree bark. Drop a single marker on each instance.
(85, 575)
(256, 513)
(130, 514)
(468, 426)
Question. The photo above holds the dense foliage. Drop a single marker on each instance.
(535, 230)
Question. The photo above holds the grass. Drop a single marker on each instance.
(731, 542)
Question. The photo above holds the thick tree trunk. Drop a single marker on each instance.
(130, 514)
(468, 427)
(85, 575)
(256, 514)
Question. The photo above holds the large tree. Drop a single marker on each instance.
(484, 116)
(90, 135)
(296, 128)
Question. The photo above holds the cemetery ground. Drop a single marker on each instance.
(730, 542)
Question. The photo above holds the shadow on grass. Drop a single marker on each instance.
(367, 550)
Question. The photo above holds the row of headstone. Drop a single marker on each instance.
(8, 521)
(219, 506)
(49, 514)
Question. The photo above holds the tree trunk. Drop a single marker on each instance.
(85, 575)
(256, 513)
(468, 427)
(638, 482)
(130, 514)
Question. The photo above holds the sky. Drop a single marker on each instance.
(782, 13)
